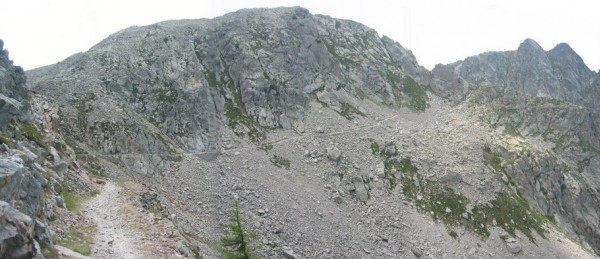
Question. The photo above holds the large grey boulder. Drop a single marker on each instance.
(11, 175)
(16, 234)
(19, 186)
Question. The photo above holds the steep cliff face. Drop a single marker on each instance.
(547, 97)
(170, 86)
(13, 94)
(36, 166)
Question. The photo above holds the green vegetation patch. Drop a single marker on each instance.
(237, 243)
(345, 61)
(393, 78)
(511, 213)
(511, 130)
(237, 119)
(48, 251)
(5, 140)
(492, 159)
(280, 162)
(60, 147)
(74, 202)
(266, 147)
(78, 239)
(417, 94)
(32, 133)
(53, 218)
(507, 211)
(375, 148)
(348, 111)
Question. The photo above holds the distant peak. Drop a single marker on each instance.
(566, 55)
(563, 48)
(530, 44)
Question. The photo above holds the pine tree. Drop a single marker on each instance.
(237, 240)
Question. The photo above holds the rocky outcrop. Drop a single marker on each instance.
(19, 186)
(36, 166)
(14, 97)
(17, 234)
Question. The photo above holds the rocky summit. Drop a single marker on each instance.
(310, 136)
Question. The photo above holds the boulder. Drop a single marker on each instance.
(289, 253)
(334, 154)
(362, 192)
(16, 234)
(514, 248)
(11, 175)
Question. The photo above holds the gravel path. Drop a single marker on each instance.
(114, 238)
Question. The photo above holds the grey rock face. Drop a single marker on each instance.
(11, 174)
(171, 86)
(13, 94)
(19, 186)
(559, 74)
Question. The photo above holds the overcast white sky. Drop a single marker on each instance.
(42, 32)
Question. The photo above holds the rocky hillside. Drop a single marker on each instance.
(546, 98)
(173, 86)
(335, 142)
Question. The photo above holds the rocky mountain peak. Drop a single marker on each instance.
(530, 46)
(559, 73)
(564, 49)
(569, 66)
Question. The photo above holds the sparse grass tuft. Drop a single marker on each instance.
(348, 111)
(79, 239)
(267, 147)
(73, 202)
(345, 61)
(511, 130)
(60, 147)
(32, 133)
(393, 78)
(48, 251)
(375, 148)
(237, 118)
(53, 218)
(492, 159)
(280, 162)
(4, 140)
(416, 93)
(453, 234)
